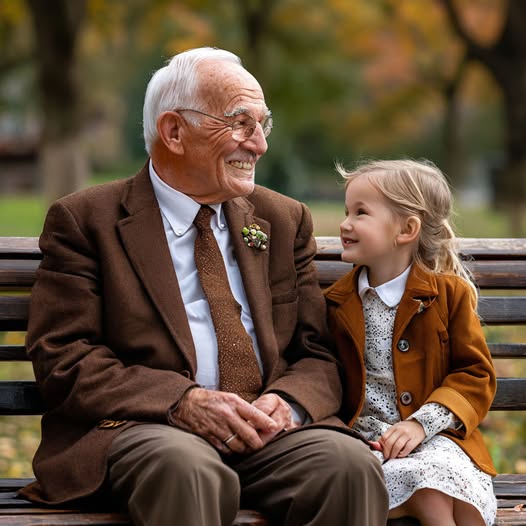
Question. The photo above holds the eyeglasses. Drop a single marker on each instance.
(243, 127)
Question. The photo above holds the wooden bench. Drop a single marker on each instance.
(499, 266)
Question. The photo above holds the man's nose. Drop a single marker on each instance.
(257, 142)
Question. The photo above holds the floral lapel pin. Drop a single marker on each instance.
(254, 237)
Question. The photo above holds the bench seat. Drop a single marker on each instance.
(498, 266)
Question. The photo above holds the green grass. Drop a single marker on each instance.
(21, 216)
(24, 215)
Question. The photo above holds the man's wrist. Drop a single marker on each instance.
(173, 408)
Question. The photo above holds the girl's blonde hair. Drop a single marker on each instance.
(419, 189)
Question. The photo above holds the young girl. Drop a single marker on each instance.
(419, 375)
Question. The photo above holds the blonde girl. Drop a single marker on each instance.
(419, 375)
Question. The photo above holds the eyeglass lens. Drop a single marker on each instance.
(244, 130)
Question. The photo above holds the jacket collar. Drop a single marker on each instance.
(421, 285)
(420, 292)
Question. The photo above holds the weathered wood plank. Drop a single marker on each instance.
(494, 274)
(479, 248)
(27, 247)
(510, 490)
(19, 248)
(14, 312)
(20, 398)
(17, 353)
(23, 397)
(17, 273)
(494, 310)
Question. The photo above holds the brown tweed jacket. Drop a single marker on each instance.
(108, 334)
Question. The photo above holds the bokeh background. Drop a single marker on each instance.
(347, 80)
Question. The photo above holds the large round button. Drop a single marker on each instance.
(403, 345)
(406, 398)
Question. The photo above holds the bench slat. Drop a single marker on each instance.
(480, 248)
(20, 397)
(19, 248)
(14, 312)
(13, 353)
(494, 310)
(19, 512)
(27, 247)
(499, 274)
(23, 398)
(502, 310)
(17, 353)
(66, 519)
(19, 258)
(511, 395)
(17, 273)
(489, 274)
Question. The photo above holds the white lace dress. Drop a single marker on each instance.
(436, 463)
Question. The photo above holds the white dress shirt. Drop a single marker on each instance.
(178, 213)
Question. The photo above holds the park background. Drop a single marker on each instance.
(347, 80)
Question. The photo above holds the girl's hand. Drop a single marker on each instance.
(375, 446)
(401, 438)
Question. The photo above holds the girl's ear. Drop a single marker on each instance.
(169, 130)
(409, 231)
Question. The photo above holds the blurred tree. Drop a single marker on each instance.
(345, 80)
(256, 20)
(505, 58)
(14, 48)
(57, 24)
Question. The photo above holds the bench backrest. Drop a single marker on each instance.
(498, 266)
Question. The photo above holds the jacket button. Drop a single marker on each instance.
(403, 345)
(406, 398)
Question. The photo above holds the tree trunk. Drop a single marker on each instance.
(511, 186)
(62, 160)
(455, 158)
(506, 60)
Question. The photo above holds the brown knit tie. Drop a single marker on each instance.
(238, 367)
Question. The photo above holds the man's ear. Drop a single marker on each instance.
(409, 230)
(169, 131)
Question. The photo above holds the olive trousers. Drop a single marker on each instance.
(166, 476)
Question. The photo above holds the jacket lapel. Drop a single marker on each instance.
(254, 268)
(144, 240)
(344, 293)
(420, 291)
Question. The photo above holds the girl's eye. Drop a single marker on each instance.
(360, 212)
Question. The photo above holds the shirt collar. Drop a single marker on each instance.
(179, 209)
(390, 293)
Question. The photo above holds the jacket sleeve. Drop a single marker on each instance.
(310, 374)
(470, 385)
(79, 376)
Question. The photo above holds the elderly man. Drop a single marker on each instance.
(178, 333)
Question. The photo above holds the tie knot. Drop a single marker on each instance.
(202, 219)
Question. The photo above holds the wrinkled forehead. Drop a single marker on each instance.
(227, 88)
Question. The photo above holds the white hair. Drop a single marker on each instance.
(174, 86)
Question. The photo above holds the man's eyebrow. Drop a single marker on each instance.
(242, 109)
(236, 111)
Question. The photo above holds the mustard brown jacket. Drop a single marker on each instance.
(439, 353)
(108, 334)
